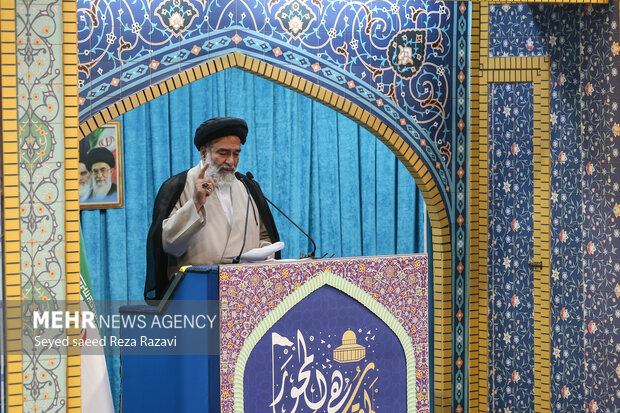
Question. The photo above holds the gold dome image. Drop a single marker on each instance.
(349, 351)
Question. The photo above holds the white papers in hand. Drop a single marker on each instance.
(259, 254)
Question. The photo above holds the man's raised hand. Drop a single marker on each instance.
(203, 187)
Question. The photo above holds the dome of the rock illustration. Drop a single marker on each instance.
(349, 351)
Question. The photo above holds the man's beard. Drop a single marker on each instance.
(224, 180)
(84, 189)
(102, 188)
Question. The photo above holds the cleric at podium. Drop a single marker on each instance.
(210, 214)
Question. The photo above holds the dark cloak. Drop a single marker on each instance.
(167, 196)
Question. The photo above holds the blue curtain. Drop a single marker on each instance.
(332, 177)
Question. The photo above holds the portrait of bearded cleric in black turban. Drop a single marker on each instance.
(100, 168)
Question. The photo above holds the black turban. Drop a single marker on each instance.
(217, 127)
(99, 154)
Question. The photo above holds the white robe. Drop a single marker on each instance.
(206, 237)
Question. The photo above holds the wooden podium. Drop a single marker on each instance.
(347, 334)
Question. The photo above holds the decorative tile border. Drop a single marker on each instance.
(279, 284)
(546, 1)
(71, 194)
(486, 70)
(10, 213)
(542, 322)
(347, 48)
(45, 54)
(478, 237)
(542, 240)
(352, 49)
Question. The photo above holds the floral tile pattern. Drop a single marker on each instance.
(511, 224)
(393, 59)
(582, 43)
(41, 169)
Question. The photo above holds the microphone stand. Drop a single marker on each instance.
(301, 256)
(245, 227)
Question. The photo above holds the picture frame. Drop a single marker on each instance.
(101, 168)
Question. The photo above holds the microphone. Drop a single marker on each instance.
(245, 226)
(301, 256)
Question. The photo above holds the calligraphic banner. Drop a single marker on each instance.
(337, 335)
(330, 353)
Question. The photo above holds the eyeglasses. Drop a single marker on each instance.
(103, 171)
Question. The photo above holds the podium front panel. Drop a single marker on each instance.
(179, 379)
(339, 335)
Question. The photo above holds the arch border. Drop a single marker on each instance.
(339, 283)
(442, 247)
(401, 149)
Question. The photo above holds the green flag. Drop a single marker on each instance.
(96, 394)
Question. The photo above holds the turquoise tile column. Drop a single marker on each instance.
(40, 116)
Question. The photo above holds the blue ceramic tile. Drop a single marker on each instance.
(342, 16)
(598, 145)
(567, 241)
(570, 209)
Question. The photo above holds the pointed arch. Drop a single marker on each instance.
(430, 188)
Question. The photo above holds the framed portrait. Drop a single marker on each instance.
(101, 168)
